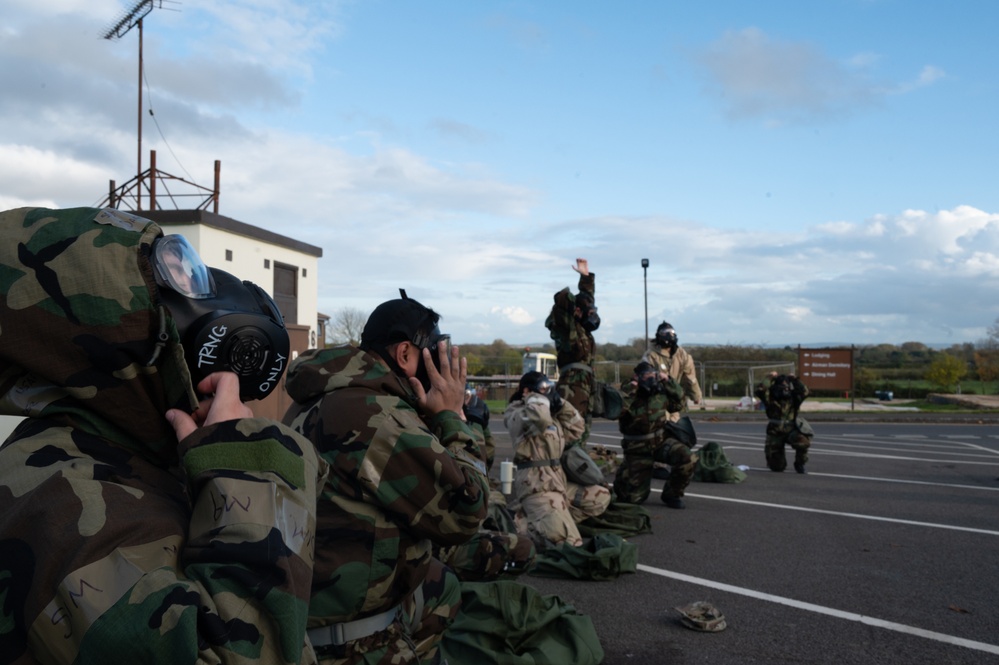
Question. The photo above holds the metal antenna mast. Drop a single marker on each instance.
(128, 20)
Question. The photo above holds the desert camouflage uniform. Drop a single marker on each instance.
(117, 545)
(646, 425)
(680, 367)
(397, 487)
(550, 505)
(575, 347)
(785, 426)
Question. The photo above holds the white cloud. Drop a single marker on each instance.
(515, 315)
(783, 82)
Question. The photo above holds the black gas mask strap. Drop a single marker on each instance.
(161, 337)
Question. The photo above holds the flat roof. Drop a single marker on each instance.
(179, 217)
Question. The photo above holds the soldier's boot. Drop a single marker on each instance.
(800, 467)
(672, 501)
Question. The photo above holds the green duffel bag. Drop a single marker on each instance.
(714, 467)
(624, 519)
(605, 556)
(508, 623)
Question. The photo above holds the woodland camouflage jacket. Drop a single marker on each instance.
(645, 413)
(397, 484)
(116, 543)
(573, 342)
(782, 413)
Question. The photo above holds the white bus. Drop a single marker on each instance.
(541, 362)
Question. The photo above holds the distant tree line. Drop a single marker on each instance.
(909, 370)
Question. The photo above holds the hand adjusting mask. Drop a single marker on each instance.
(225, 324)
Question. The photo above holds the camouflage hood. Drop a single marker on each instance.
(79, 319)
(319, 371)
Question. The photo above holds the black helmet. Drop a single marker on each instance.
(537, 382)
(644, 368)
(404, 320)
(401, 320)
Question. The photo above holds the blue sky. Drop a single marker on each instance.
(796, 172)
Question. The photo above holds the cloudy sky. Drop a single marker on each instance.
(796, 172)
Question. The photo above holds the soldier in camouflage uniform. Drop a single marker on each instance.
(541, 426)
(673, 362)
(476, 413)
(571, 322)
(138, 526)
(650, 436)
(494, 552)
(782, 400)
(406, 475)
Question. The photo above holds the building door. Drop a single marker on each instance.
(286, 291)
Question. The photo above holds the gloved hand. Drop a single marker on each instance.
(556, 400)
(477, 413)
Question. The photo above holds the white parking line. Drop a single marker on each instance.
(812, 452)
(828, 611)
(891, 480)
(875, 518)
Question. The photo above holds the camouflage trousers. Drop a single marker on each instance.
(415, 635)
(578, 387)
(587, 500)
(544, 517)
(777, 438)
(633, 480)
(489, 555)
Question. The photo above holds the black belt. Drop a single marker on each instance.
(544, 462)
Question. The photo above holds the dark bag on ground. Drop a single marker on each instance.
(580, 468)
(605, 556)
(714, 467)
(624, 519)
(682, 430)
(607, 401)
(507, 623)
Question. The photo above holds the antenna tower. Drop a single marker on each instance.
(129, 19)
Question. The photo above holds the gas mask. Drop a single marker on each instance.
(780, 389)
(432, 341)
(538, 382)
(587, 312)
(225, 324)
(666, 337)
(648, 383)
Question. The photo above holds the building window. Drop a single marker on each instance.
(267, 264)
(305, 273)
(228, 255)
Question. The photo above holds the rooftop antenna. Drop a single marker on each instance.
(129, 19)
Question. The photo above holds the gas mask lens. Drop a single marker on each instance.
(178, 267)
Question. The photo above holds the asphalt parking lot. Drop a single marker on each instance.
(886, 552)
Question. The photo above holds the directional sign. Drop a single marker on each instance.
(826, 369)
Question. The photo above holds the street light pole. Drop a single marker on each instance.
(645, 284)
